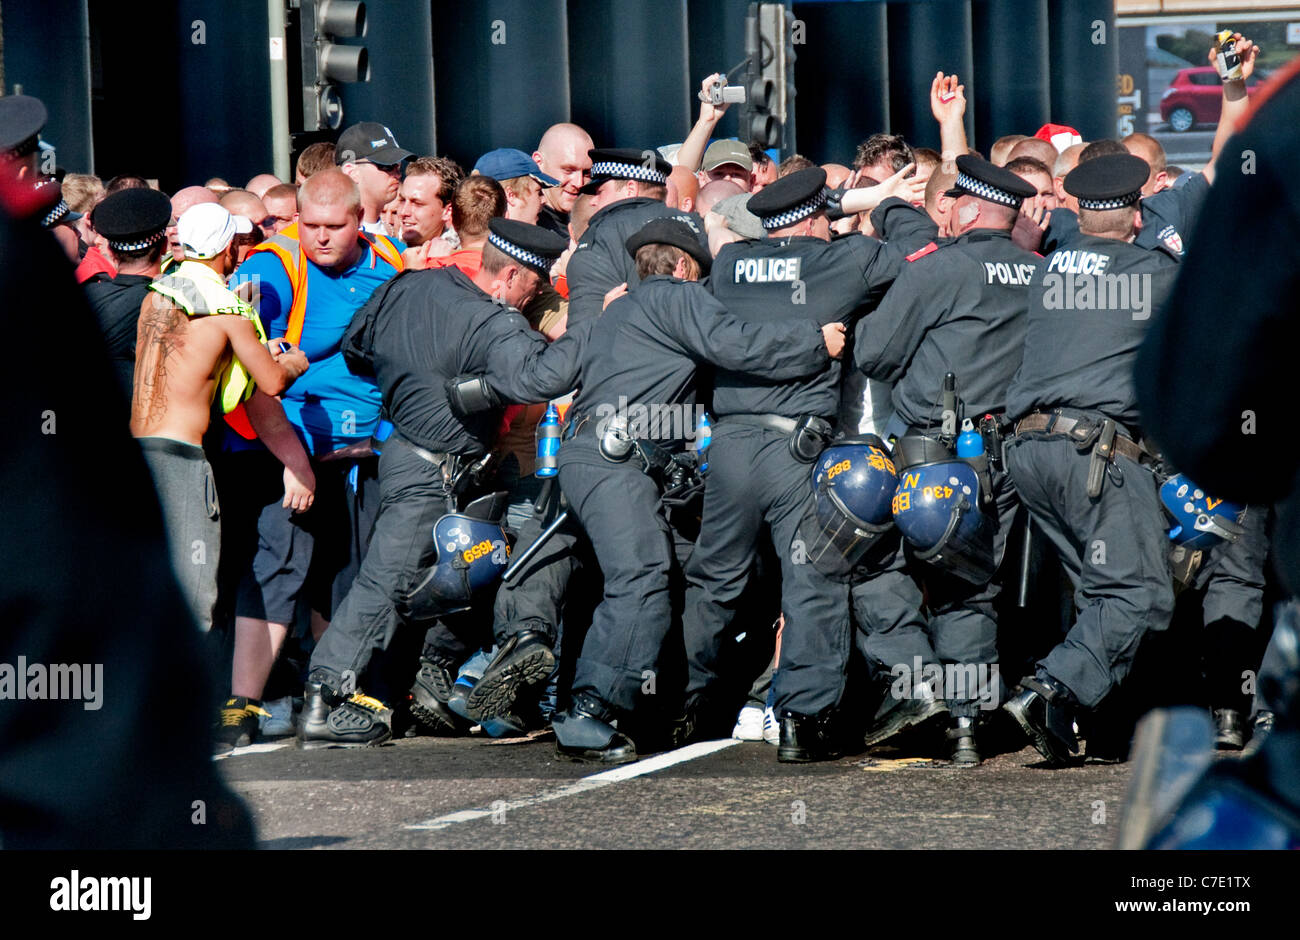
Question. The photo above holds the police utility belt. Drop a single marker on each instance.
(1100, 437)
(808, 435)
(677, 474)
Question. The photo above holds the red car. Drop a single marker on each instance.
(1195, 97)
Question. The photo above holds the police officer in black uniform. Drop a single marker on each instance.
(639, 366)
(420, 330)
(1075, 458)
(631, 186)
(135, 222)
(769, 430)
(957, 308)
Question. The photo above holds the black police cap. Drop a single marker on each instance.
(21, 120)
(790, 199)
(530, 245)
(1112, 181)
(670, 232)
(979, 178)
(132, 219)
(622, 163)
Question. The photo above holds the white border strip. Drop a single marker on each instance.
(594, 782)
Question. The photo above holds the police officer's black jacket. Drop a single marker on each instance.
(116, 304)
(424, 327)
(601, 262)
(1089, 307)
(1167, 216)
(642, 355)
(777, 279)
(958, 308)
(553, 220)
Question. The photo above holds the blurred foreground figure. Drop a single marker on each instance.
(103, 691)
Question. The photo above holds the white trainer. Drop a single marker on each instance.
(771, 730)
(749, 724)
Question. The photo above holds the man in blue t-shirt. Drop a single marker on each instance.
(335, 411)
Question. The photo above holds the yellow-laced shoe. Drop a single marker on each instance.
(238, 723)
(359, 721)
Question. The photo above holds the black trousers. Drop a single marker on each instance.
(1113, 548)
(753, 480)
(622, 661)
(412, 498)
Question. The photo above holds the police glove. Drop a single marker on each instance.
(834, 204)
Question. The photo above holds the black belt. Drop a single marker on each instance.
(1056, 423)
(769, 421)
(438, 459)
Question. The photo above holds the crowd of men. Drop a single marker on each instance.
(847, 456)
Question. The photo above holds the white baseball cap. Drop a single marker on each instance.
(205, 230)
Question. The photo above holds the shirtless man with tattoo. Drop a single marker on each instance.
(198, 342)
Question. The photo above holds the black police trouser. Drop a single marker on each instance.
(962, 621)
(753, 479)
(412, 498)
(619, 507)
(1231, 609)
(892, 629)
(533, 597)
(1114, 549)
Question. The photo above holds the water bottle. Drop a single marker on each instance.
(548, 442)
(703, 438)
(971, 442)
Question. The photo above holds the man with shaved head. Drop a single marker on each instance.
(260, 183)
(184, 199)
(243, 203)
(713, 193)
(1000, 152)
(687, 189)
(1033, 147)
(562, 153)
(282, 206)
(1066, 161)
(1150, 150)
(318, 520)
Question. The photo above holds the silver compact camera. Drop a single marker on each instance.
(719, 93)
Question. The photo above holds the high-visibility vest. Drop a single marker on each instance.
(285, 246)
(200, 291)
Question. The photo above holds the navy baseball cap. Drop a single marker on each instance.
(507, 163)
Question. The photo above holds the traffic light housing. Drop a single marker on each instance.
(768, 115)
(326, 63)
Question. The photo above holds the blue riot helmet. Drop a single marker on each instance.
(936, 507)
(469, 552)
(853, 483)
(1200, 520)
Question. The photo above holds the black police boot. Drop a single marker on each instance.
(808, 738)
(962, 736)
(429, 694)
(1044, 712)
(525, 660)
(584, 733)
(898, 714)
(359, 721)
(1260, 730)
(1229, 729)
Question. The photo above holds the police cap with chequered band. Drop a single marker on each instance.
(1110, 182)
(671, 232)
(531, 245)
(979, 178)
(133, 219)
(645, 166)
(790, 199)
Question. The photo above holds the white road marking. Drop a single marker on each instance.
(595, 781)
(263, 748)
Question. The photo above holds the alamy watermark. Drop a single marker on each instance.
(653, 421)
(58, 681)
(1078, 280)
(949, 681)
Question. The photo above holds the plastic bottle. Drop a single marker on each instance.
(970, 443)
(703, 438)
(548, 442)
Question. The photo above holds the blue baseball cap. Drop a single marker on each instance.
(507, 163)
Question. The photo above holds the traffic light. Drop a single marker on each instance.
(324, 63)
(768, 116)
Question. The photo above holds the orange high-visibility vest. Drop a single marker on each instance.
(284, 245)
